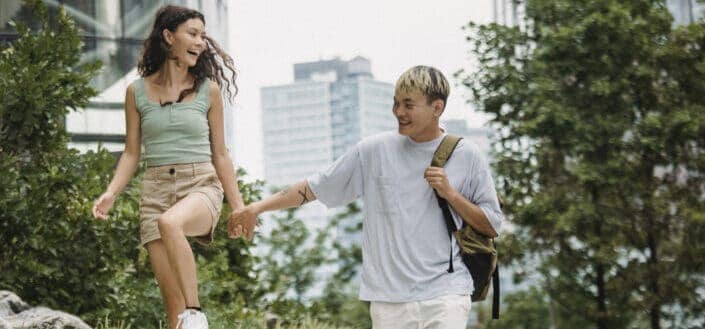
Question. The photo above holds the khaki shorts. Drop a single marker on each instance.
(164, 186)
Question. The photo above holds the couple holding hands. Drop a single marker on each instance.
(175, 110)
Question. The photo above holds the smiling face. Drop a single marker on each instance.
(416, 116)
(187, 42)
(420, 97)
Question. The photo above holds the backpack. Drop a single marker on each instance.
(478, 251)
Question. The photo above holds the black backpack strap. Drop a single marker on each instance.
(495, 292)
(440, 157)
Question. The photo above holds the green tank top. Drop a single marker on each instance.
(175, 133)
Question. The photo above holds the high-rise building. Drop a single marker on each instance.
(478, 136)
(307, 124)
(329, 107)
(685, 11)
(113, 32)
(507, 12)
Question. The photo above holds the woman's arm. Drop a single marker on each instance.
(220, 157)
(128, 160)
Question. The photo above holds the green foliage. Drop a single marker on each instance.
(50, 245)
(528, 309)
(41, 81)
(601, 119)
(294, 259)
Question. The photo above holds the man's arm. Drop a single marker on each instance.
(293, 196)
(339, 184)
(243, 221)
(471, 214)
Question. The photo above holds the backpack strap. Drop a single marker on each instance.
(495, 291)
(445, 150)
(440, 157)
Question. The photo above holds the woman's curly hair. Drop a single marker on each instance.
(209, 64)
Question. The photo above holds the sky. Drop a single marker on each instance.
(267, 37)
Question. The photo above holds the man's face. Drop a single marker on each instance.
(417, 118)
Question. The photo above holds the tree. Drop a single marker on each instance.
(49, 248)
(339, 303)
(601, 121)
(527, 309)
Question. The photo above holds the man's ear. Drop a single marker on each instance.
(438, 107)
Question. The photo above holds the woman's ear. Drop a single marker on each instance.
(168, 37)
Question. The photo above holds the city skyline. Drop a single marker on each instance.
(269, 37)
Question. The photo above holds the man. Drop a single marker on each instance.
(405, 241)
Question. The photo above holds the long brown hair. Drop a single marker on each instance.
(209, 64)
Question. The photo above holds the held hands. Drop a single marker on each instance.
(437, 178)
(242, 222)
(103, 205)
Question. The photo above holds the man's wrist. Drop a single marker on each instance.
(257, 207)
(454, 196)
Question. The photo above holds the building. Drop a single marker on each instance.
(507, 12)
(685, 11)
(113, 32)
(329, 107)
(479, 136)
(307, 124)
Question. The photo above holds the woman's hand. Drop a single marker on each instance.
(103, 205)
(243, 222)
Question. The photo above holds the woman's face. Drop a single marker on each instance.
(188, 41)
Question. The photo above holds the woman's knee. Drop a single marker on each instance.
(168, 225)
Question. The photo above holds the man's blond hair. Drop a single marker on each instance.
(427, 80)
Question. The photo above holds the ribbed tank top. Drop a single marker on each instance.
(176, 133)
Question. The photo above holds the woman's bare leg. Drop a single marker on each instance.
(188, 217)
(168, 284)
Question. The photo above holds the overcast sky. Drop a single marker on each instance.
(269, 36)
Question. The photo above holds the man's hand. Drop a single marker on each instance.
(243, 222)
(437, 178)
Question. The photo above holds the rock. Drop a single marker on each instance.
(11, 304)
(16, 314)
(4, 324)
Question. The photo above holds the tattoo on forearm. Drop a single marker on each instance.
(303, 194)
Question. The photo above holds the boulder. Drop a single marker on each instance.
(16, 314)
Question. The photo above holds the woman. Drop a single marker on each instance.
(176, 111)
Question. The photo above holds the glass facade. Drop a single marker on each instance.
(330, 106)
(685, 11)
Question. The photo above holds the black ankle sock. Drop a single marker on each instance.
(193, 308)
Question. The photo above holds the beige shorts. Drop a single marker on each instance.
(164, 186)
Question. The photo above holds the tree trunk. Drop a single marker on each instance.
(655, 310)
(602, 322)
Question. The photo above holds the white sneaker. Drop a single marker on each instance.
(192, 319)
